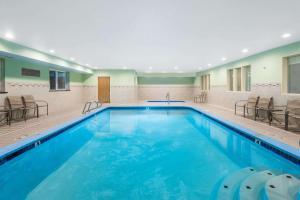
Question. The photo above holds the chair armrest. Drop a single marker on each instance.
(3, 109)
(280, 106)
(241, 101)
(264, 109)
(21, 105)
(41, 101)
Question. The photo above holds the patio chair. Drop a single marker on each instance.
(247, 105)
(201, 98)
(31, 103)
(263, 108)
(289, 115)
(15, 107)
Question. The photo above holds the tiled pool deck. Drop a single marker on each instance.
(21, 130)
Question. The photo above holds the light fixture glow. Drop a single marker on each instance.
(209, 64)
(245, 50)
(224, 58)
(150, 68)
(286, 35)
(9, 35)
(87, 64)
(72, 59)
(176, 68)
(51, 51)
(125, 67)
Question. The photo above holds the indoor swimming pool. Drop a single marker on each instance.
(149, 153)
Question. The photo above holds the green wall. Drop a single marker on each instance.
(117, 77)
(166, 80)
(13, 69)
(266, 67)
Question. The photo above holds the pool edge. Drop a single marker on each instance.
(284, 150)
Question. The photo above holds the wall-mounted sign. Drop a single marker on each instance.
(31, 72)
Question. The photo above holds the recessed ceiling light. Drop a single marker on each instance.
(150, 68)
(224, 58)
(51, 51)
(286, 35)
(175, 67)
(245, 50)
(87, 64)
(209, 64)
(9, 35)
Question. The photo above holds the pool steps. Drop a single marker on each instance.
(231, 183)
(281, 187)
(252, 184)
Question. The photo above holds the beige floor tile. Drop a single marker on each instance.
(20, 130)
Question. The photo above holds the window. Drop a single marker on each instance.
(205, 82)
(239, 79)
(2, 75)
(294, 74)
(247, 74)
(59, 80)
(230, 79)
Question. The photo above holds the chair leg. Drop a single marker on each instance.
(286, 124)
(270, 118)
(25, 114)
(244, 113)
(37, 112)
(7, 118)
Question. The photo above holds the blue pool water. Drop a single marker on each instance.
(135, 154)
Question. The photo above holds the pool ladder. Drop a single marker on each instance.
(168, 97)
(91, 105)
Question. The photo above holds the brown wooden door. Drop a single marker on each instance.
(104, 89)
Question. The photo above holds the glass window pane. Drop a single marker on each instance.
(238, 79)
(2, 75)
(67, 80)
(293, 79)
(52, 79)
(248, 78)
(230, 76)
(208, 82)
(61, 80)
(202, 83)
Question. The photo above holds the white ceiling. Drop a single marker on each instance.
(163, 34)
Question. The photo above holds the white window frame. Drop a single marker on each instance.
(235, 79)
(2, 74)
(205, 82)
(285, 76)
(56, 80)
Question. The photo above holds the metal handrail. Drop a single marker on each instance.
(168, 97)
(88, 106)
